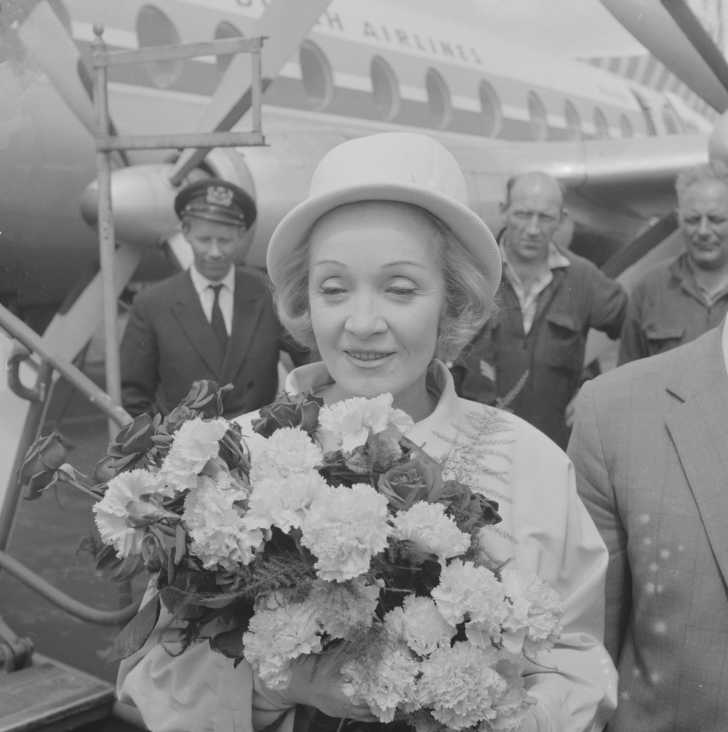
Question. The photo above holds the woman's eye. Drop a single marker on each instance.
(402, 288)
(331, 288)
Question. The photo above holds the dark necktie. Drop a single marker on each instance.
(217, 321)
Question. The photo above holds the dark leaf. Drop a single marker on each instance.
(135, 633)
(106, 559)
(127, 568)
(229, 643)
(180, 543)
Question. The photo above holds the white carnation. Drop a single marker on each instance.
(126, 507)
(383, 676)
(195, 443)
(276, 637)
(429, 529)
(419, 624)
(342, 608)
(347, 424)
(535, 609)
(460, 685)
(220, 532)
(282, 501)
(344, 528)
(288, 451)
(468, 591)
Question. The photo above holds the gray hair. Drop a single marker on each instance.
(467, 307)
(716, 170)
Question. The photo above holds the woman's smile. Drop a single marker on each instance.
(369, 357)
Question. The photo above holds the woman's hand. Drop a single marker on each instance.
(316, 681)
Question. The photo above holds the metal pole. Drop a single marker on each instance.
(107, 240)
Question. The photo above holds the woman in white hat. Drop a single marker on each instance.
(387, 273)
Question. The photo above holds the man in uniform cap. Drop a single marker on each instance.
(214, 321)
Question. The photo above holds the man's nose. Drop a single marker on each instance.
(703, 226)
(215, 249)
(533, 224)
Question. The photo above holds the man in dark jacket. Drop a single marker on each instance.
(214, 321)
(530, 356)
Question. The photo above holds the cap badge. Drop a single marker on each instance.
(219, 196)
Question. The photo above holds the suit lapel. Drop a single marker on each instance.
(247, 309)
(188, 311)
(698, 425)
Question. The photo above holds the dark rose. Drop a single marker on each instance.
(416, 479)
(205, 398)
(128, 449)
(470, 511)
(42, 459)
(298, 411)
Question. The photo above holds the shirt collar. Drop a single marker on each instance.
(555, 260)
(201, 283)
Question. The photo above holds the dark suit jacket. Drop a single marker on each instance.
(650, 447)
(168, 343)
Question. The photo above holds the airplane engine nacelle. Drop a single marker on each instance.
(142, 197)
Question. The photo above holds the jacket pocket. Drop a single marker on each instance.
(663, 337)
(561, 345)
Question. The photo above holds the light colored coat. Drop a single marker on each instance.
(545, 530)
(650, 447)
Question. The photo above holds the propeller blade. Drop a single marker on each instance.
(654, 26)
(641, 246)
(46, 38)
(285, 24)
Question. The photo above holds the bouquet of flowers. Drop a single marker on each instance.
(325, 527)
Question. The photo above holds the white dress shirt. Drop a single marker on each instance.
(207, 296)
(528, 298)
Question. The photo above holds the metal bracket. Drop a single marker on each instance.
(19, 356)
(15, 652)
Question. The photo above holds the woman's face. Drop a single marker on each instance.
(376, 294)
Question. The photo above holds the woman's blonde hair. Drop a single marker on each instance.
(467, 306)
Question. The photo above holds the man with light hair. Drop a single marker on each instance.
(680, 299)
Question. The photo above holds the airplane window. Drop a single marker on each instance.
(154, 28)
(490, 107)
(573, 120)
(385, 88)
(671, 121)
(537, 116)
(225, 30)
(626, 128)
(318, 79)
(601, 126)
(438, 99)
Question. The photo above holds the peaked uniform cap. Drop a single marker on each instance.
(393, 166)
(214, 199)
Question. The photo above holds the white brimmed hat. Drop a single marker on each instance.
(393, 166)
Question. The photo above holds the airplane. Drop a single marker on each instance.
(341, 69)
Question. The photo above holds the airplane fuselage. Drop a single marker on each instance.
(364, 68)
